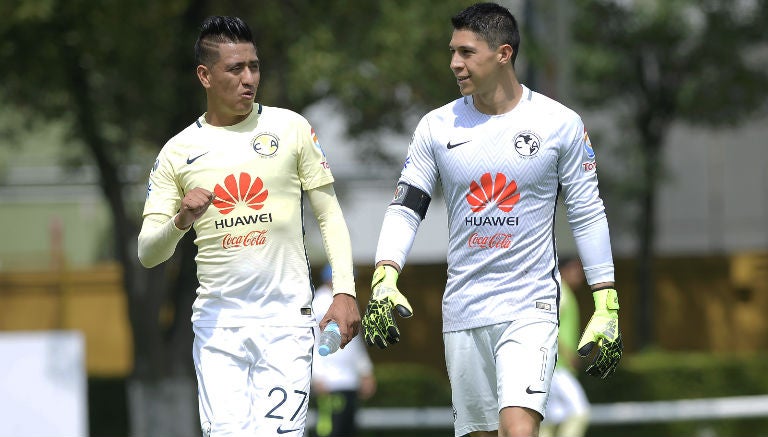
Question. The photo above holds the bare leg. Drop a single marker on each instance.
(515, 422)
(519, 422)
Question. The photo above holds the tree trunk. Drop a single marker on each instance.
(162, 396)
(651, 137)
(166, 407)
(645, 270)
(161, 390)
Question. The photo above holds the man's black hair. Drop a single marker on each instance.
(493, 22)
(217, 30)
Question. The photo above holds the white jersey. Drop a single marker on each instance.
(501, 176)
(251, 260)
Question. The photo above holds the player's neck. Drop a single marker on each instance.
(220, 118)
(502, 99)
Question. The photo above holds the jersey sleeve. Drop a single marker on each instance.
(584, 206)
(314, 170)
(400, 224)
(335, 234)
(578, 176)
(163, 193)
(158, 236)
(420, 167)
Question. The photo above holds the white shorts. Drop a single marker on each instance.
(253, 380)
(493, 367)
(567, 397)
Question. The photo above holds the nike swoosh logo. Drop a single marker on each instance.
(451, 146)
(531, 392)
(285, 431)
(191, 160)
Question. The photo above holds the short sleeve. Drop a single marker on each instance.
(314, 170)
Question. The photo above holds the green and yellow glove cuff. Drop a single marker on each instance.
(606, 300)
(385, 275)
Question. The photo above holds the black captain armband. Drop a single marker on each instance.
(411, 197)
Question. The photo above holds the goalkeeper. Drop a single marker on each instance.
(502, 155)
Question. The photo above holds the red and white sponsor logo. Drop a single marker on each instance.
(493, 191)
(240, 190)
(253, 238)
(589, 166)
(495, 241)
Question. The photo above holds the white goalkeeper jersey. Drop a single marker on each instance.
(501, 176)
(251, 260)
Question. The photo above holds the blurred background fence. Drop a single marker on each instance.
(711, 338)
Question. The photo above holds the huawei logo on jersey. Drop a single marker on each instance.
(240, 190)
(493, 190)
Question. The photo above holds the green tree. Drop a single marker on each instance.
(121, 74)
(658, 62)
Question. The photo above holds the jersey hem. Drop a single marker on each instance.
(240, 323)
(453, 327)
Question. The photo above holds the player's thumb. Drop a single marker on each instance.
(402, 305)
(586, 348)
(404, 311)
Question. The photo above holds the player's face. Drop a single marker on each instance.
(473, 62)
(231, 83)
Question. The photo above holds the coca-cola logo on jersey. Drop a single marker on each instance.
(496, 241)
(253, 238)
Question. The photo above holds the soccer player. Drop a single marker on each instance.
(502, 153)
(238, 174)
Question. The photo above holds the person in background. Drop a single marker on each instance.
(502, 154)
(567, 413)
(339, 380)
(238, 174)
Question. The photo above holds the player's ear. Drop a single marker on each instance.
(204, 75)
(504, 54)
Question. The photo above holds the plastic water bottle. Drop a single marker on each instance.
(330, 339)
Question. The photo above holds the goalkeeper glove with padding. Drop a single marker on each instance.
(603, 331)
(379, 325)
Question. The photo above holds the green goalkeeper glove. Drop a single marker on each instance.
(603, 331)
(379, 325)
